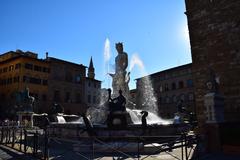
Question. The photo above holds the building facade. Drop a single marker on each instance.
(66, 85)
(49, 80)
(92, 87)
(132, 95)
(169, 87)
(214, 29)
(19, 70)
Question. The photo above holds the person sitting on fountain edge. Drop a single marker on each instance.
(117, 108)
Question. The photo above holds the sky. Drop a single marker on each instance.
(153, 32)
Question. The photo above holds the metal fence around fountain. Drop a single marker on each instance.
(186, 142)
(165, 144)
(38, 143)
(31, 141)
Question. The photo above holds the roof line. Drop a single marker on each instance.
(166, 70)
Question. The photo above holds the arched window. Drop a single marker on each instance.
(69, 77)
(78, 78)
(180, 84)
(189, 83)
(166, 87)
(173, 86)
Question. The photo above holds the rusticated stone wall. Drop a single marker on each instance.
(214, 28)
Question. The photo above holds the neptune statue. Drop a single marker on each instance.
(121, 77)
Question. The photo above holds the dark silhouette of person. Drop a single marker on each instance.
(109, 95)
(115, 105)
(120, 102)
(144, 116)
(57, 108)
(46, 121)
(144, 120)
(89, 126)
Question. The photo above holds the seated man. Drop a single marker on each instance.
(120, 102)
(117, 116)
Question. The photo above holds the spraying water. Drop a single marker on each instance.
(61, 119)
(98, 115)
(107, 50)
(149, 102)
(107, 56)
(106, 68)
(136, 117)
(135, 60)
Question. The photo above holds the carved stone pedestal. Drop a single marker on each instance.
(25, 118)
(214, 105)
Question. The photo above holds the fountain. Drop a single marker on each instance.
(113, 121)
(115, 113)
(120, 80)
(25, 103)
(149, 103)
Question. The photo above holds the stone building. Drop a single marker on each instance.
(92, 87)
(132, 95)
(49, 80)
(169, 87)
(214, 29)
(66, 85)
(19, 70)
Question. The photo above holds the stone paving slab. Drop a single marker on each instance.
(71, 155)
(176, 154)
(7, 153)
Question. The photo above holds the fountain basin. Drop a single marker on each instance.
(76, 131)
